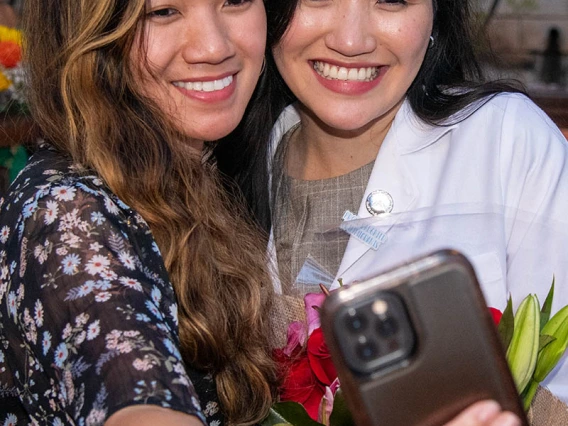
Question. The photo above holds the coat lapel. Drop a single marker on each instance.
(391, 174)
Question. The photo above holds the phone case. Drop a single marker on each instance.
(416, 345)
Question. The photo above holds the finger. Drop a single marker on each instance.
(481, 413)
(505, 419)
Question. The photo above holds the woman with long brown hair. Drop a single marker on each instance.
(131, 287)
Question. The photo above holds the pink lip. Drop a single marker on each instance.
(350, 87)
(210, 97)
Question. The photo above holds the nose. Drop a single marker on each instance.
(207, 40)
(351, 33)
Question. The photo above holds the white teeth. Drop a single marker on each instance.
(205, 86)
(334, 72)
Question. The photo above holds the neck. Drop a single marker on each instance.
(318, 151)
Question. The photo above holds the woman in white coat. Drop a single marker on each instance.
(393, 146)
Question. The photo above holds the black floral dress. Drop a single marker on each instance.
(88, 317)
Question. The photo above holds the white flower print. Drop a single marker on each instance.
(131, 283)
(103, 296)
(67, 331)
(29, 209)
(127, 260)
(80, 338)
(174, 313)
(51, 212)
(155, 247)
(41, 252)
(156, 295)
(11, 420)
(211, 408)
(96, 417)
(4, 271)
(46, 342)
(97, 264)
(61, 354)
(142, 364)
(111, 207)
(38, 313)
(71, 239)
(154, 309)
(95, 247)
(70, 264)
(12, 303)
(63, 193)
(81, 319)
(215, 423)
(196, 403)
(97, 218)
(86, 288)
(61, 251)
(108, 275)
(93, 330)
(69, 221)
(4, 234)
(103, 285)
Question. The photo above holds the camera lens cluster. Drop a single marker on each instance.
(375, 333)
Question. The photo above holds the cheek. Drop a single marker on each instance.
(250, 33)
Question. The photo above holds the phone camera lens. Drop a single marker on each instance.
(367, 350)
(387, 327)
(354, 321)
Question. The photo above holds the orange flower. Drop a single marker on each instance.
(10, 53)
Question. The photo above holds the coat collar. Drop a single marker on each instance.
(412, 134)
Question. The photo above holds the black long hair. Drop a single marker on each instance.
(450, 84)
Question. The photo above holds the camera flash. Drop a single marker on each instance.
(380, 307)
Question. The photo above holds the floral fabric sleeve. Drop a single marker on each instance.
(89, 318)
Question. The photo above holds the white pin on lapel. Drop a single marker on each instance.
(379, 202)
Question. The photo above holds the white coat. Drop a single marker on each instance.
(494, 187)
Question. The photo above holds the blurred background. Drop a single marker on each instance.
(528, 40)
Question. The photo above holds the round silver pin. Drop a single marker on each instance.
(379, 202)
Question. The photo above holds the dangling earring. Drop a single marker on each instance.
(431, 43)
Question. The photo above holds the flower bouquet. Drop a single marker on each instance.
(534, 342)
(311, 393)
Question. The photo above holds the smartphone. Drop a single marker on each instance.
(416, 345)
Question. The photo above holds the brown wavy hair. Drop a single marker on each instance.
(85, 100)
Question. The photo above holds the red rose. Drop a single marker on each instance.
(496, 314)
(301, 385)
(320, 359)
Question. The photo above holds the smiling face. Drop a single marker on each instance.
(350, 62)
(200, 60)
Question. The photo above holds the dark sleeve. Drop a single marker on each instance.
(90, 316)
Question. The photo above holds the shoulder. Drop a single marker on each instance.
(55, 201)
(515, 114)
(51, 184)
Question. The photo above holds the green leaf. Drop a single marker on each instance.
(556, 327)
(340, 415)
(507, 324)
(544, 340)
(528, 394)
(547, 306)
(288, 413)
